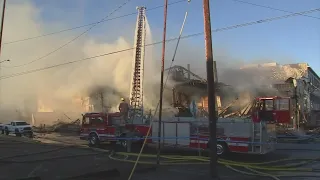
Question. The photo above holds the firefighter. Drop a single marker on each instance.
(124, 110)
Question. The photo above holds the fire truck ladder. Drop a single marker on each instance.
(257, 137)
(136, 89)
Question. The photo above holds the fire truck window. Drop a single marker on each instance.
(99, 119)
(85, 120)
(282, 104)
(96, 120)
(115, 120)
(268, 105)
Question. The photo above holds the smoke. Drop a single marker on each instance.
(58, 87)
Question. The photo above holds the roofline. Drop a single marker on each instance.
(314, 73)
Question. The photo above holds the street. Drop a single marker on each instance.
(23, 158)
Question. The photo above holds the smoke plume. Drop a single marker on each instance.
(57, 88)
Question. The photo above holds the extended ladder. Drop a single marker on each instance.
(136, 90)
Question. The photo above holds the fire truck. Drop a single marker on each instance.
(254, 134)
(97, 128)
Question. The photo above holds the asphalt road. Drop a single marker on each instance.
(22, 158)
(51, 160)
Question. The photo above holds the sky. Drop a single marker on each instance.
(294, 39)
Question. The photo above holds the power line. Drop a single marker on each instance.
(272, 8)
(104, 20)
(159, 42)
(82, 26)
(77, 37)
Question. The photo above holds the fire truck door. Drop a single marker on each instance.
(96, 124)
(282, 111)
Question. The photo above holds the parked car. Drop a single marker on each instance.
(19, 128)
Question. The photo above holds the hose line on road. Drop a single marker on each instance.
(169, 160)
(255, 168)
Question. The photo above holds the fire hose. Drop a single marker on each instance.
(255, 168)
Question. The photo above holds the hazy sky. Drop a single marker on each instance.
(295, 39)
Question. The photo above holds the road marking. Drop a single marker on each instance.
(34, 170)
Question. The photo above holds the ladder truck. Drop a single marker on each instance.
(136, 86)
(105, 127)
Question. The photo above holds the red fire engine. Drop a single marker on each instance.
(105, 127)
(252, 134)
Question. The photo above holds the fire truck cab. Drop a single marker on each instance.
(105, 127)
(272, 109)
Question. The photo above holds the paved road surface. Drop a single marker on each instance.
(52, 160)
(22, 158)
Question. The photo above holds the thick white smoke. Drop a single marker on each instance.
(58, 86)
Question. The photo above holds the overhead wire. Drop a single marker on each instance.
(164, 85)
(272, 8)
(148, 132)
(105, 19)
(155, 43)
(82, 26)
(75, 38)
(134, 13)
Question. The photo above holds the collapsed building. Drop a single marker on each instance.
(296, 81)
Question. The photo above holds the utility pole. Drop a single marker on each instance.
(2, 22)
(296, 120)
(211, 90)
(1, 32)
(215, 72)
(162, 75)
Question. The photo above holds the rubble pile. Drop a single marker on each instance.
(59, 126)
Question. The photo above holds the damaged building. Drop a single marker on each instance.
(278, 81)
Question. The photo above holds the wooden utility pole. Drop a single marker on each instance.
(2, 22)
(162, 75)
(211, 90)
(1, 32)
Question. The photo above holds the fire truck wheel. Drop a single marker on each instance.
(123, 143)
(221, 149)
(93, 140)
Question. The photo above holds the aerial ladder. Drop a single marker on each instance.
(136, 86)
